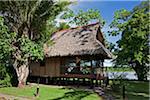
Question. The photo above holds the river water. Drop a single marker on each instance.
(125, 75)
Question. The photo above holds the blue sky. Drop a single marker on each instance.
(107, 9)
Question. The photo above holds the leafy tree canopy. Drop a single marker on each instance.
(132, 48)
(27, 25)
(83, 17)
(63, 26)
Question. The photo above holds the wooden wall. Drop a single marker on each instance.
(100, 37)
(51, 68)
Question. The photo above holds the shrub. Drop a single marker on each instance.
(5, 76)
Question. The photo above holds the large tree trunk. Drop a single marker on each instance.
(22, 73)
(141, 72)
(139, 75)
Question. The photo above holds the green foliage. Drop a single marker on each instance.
(63, 26)
(133, 46)
(83, 18)
(6, 38)
(26, 27)
(5, 77)
(32, 23)
(5, 41)
(31, 49)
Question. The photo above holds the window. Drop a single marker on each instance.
(70, 63)
(97, 63)
(85, 63)
(68, 66)
(85, 66)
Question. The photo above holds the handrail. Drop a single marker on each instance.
(75, 66)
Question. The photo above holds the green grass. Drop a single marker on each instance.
(51, 93)
(135, 90)
(120, 69)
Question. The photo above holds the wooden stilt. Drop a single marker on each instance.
(66, 82)
(91, 83)
(123, 92)
(96, 82)
(58, 81)
(100, 82)
(83, 81)
(78, 82)
(46, 80)
(73, 80)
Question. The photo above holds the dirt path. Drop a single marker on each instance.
(10, 97)
(100, 91)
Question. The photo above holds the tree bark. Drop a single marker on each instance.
(22, 73)
(141, 72)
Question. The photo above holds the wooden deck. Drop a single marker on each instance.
(75, 77)
(70, 79)
(92, 76)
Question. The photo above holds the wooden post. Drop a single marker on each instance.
(78, 82)
(83, 81)
(100, 82)
(73, 81)
(91, 83)
(46, 80)
(66, 81)
(123, 92)
(37, 89)
(96, 82)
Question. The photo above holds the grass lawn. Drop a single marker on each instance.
(51, 93)
(120, 69)
(135, 90)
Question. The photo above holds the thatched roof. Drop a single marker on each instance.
(78, 41)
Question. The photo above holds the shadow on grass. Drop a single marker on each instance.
(75, 94)
(135, 90)
(137, 96)
(138, 90)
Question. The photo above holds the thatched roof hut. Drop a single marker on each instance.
(76, 53)
(85, 40)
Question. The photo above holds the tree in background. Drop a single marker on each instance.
(63, 26)
(132, 49)
(83, 17)
(30, 24)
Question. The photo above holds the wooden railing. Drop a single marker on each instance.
(76, 69)
(79, 74)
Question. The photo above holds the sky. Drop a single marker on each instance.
(107, 9)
